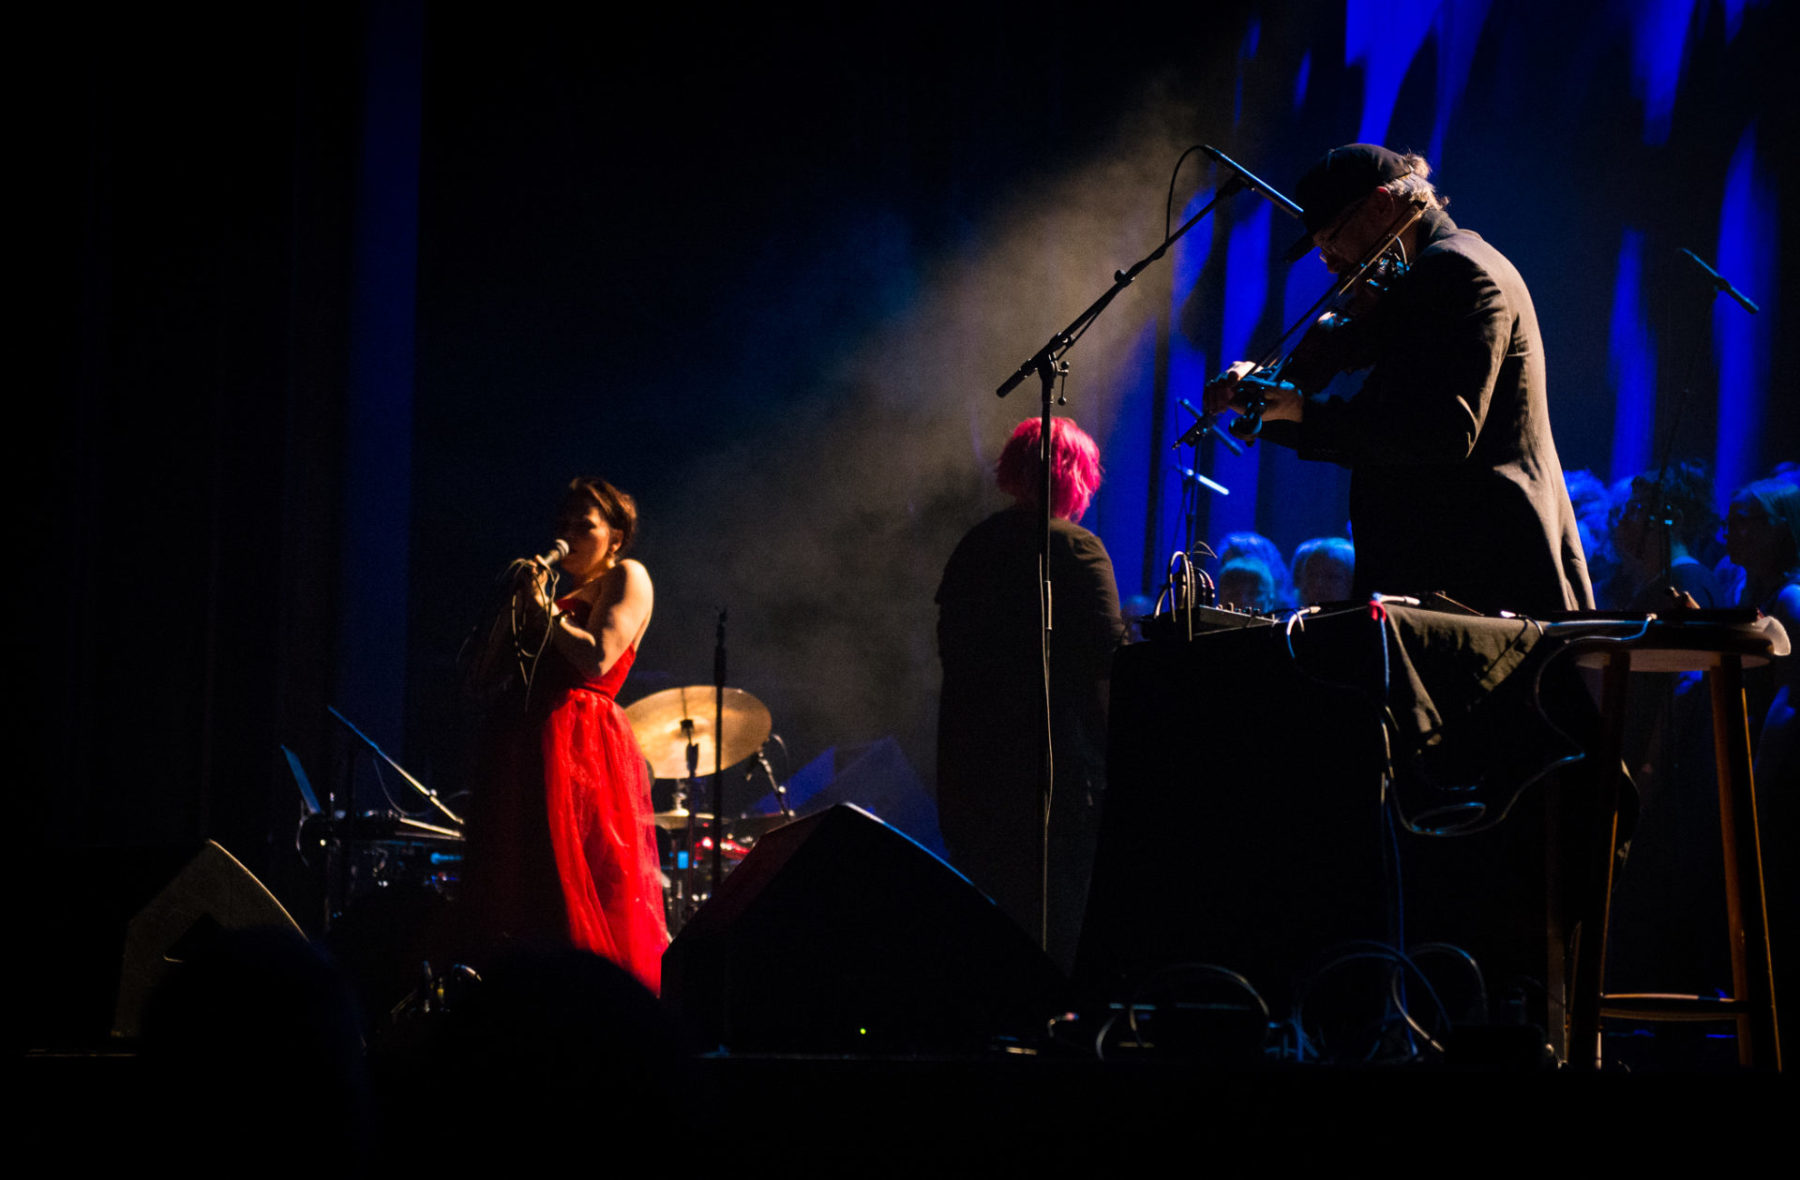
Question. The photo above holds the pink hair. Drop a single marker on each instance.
(1076, 460)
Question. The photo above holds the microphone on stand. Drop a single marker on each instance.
(1190, 474)
(1254, 183)
(1206, 422)
(1721, 283)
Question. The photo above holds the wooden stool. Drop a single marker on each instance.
(1721, 650)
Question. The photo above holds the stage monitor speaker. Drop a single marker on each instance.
(839, 934)
(89, 931)
(213, 892)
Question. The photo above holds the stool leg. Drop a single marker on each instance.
(1752, 977)
(1587, 977)
(1561, 816)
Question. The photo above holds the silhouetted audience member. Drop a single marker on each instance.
(1618, 586)
(1247, 584)
(1762, 534)
(1671, 894)
(1256, 547)
(1593, 504)
(1323, 570)
(254, 1040)
(1668, 518)
(552, 1052)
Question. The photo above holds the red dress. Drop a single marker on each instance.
(602, 834)
(563, 842)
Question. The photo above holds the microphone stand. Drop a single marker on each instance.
(718, 792)
(1048, 363)
(430, 796)
(346, 829)
(688, 802)
(1665, 514)
(1054, 348)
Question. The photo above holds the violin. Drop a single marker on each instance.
(1328, 345)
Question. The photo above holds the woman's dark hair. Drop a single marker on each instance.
(617, 508)
(1259, 548)
(1686, 489)
(1780, 502)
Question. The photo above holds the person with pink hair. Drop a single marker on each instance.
(1075, 463)
(991, 713)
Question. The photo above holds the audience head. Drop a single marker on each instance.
(1762, 529)
(1324, 568)
(1259, 548)
(1675, 501)
(1247, 584)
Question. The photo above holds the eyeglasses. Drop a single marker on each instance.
(1329, 234)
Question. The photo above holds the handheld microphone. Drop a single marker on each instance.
(557, 552)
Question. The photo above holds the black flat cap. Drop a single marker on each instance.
(1343, 176)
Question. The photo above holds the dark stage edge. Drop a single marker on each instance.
(844, 1115)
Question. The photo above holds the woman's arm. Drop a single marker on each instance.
(615, 622)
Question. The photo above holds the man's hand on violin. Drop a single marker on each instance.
(1229, 390)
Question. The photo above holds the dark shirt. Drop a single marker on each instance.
(1456, 483)
(990, 718)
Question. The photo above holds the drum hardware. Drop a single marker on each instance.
(438, 991)
(679, 730)
(382, 850)
(379, 847)
(676, 819)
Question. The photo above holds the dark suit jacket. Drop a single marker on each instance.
(1457, 486)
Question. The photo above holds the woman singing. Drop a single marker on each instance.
(565, 850)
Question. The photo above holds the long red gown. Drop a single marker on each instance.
(603, 836)
(563, 836)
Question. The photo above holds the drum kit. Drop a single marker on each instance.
(388, 851)
(676, 730)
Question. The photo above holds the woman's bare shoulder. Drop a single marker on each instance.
(634, 584)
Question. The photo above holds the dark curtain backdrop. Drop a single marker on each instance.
(196, 173)
(346, 292)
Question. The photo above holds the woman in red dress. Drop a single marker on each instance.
(569, 850)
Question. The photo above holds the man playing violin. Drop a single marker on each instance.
(1456, 487)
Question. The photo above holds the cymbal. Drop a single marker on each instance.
(678, 819)
(666, 721)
